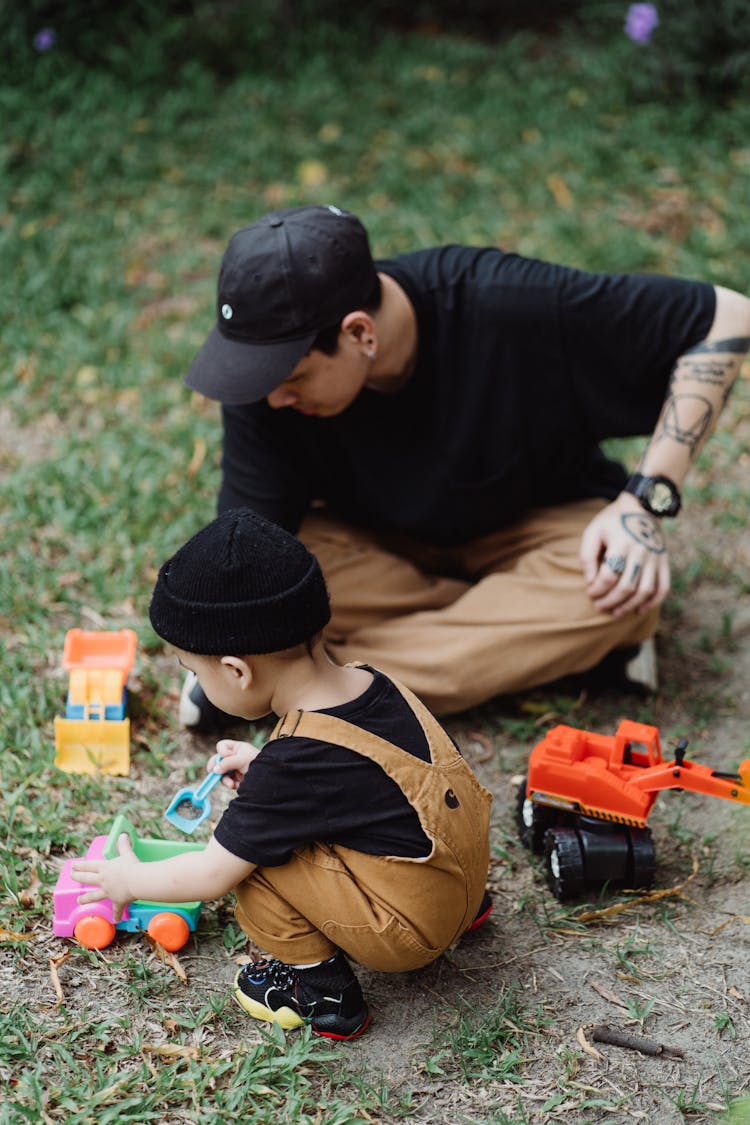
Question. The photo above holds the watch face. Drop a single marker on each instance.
(660, 496)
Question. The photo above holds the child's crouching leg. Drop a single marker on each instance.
(306, 980)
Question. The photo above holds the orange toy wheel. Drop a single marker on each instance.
(170, 930)
(94, 932)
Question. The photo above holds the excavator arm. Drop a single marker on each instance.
(695, 777)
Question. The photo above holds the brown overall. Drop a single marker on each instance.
(386, 912)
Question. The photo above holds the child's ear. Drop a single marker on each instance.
(239, 669)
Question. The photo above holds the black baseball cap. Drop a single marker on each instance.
(282, 279)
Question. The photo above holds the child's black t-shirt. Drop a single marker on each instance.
(300, 790)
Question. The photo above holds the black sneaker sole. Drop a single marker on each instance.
(330, 1027)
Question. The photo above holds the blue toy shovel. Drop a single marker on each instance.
(190, 807)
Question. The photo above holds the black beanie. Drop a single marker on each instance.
(241, 586)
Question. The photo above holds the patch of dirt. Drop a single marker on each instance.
(26, 444)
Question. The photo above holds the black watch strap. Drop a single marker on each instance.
(658, 494)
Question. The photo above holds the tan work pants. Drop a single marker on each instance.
(459, 625)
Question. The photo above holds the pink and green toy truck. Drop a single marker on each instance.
(92, 924)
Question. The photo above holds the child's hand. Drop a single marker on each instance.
(110, 877)
(235, 758)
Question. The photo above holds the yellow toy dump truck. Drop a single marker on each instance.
(95, 733)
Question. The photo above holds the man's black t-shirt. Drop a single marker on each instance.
(523, 368)
(299, 790)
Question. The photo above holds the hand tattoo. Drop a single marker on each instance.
(645, 531)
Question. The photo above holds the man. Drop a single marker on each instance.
(429, 425)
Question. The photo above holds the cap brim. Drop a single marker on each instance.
(234, 372)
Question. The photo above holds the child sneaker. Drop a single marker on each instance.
(327, 996)
(485, 909)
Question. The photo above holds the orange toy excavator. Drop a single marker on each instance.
(587, 797)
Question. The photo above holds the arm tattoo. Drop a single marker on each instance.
(708, 371)
(644, 530)
(737, 344)
(687, 419)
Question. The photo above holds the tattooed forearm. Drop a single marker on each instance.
(699, 388)
(693, 404)
(644, 530)
(686, 420)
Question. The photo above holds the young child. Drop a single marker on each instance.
(357, 831)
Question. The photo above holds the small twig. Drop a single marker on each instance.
(483, 741)
(54, 965)
(632, 1042)
(608, 912)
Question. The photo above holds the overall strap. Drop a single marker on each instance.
(286, 726)
(328, 728)
(437, 738)
(441, 745)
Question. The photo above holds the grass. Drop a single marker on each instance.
(86, 1067)
(486, 1047)
(122, 182)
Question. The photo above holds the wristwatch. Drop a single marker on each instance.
(658, 495)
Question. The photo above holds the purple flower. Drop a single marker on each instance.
(45, 39)
(641, 21)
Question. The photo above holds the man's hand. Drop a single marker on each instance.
(110, 877)
(235, 759)
(624, 558)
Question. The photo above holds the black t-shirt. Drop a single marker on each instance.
(300, 790)
(523, 368)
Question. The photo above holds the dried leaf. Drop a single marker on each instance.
(560, 191)
(10, 935)
(586, 1046)
(199, 456)
(173, 1050)
(27, 897)
(167, 958)
(534, 707)
(87, 376)
(611, 996)
(312, 173)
